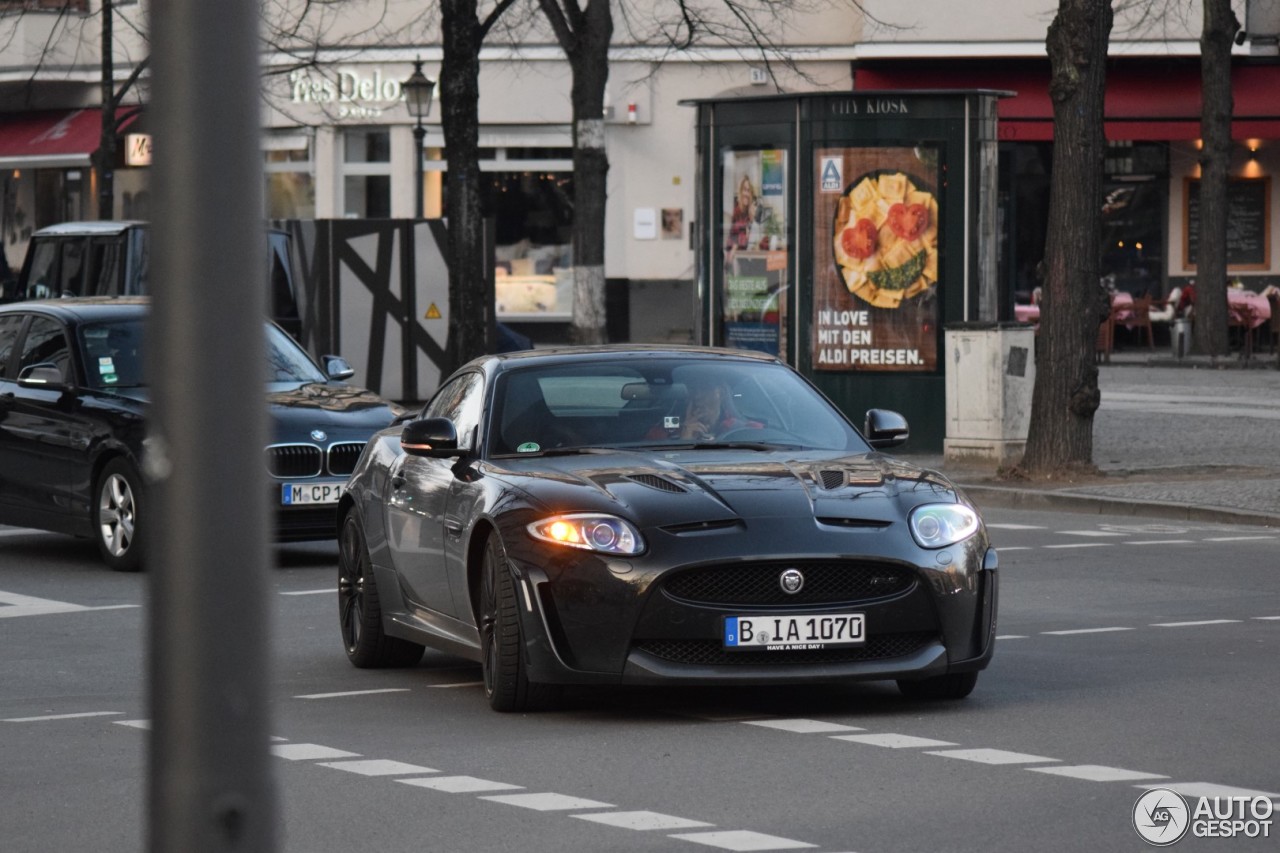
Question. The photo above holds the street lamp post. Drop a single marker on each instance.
(418, 90)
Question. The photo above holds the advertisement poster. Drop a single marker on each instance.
(755, 230)
(876, 226)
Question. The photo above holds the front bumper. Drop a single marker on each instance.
(598, 621)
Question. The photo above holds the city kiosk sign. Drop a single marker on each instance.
(841, 234)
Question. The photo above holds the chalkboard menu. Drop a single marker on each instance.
(1248, 223)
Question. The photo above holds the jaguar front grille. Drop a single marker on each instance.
(826, 582)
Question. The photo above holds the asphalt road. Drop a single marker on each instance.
(1132, 654)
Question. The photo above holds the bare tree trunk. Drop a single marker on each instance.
(585, 34)
(1220, 25)
(1066, 392)
(470, 320)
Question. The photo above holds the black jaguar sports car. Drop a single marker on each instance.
(73, 425)
(659, 516)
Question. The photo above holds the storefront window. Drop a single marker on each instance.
(366, 174)
(290, 182)
(755, 231)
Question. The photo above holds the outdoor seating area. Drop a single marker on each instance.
(1145, 322)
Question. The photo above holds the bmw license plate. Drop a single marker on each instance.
(310, 494)
(809, 631)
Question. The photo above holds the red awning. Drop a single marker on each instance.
(52, 139)
(1146, 101)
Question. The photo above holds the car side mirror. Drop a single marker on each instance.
(41, 376)
(885, 429)
(336, 367)
(432, 437)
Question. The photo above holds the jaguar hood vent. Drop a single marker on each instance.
(831, 479)
(653, 481)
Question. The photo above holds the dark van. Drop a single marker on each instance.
(111, 258)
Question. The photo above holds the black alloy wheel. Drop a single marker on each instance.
(360, 612)
(506, 684)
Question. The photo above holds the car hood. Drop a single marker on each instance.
(692, 488)
(332, 407)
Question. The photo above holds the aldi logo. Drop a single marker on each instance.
(832, 174)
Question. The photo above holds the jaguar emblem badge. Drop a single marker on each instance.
(791, 581)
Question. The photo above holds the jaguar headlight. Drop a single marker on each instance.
(589, 531)
(939, 525)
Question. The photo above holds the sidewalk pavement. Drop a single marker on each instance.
(1192, 439)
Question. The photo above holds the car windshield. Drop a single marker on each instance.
(114, 354)
(662, 403)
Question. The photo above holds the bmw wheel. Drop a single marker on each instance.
(116, 515)
(506, 684)
(360, 612)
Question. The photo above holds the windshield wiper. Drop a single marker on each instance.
(718, 445)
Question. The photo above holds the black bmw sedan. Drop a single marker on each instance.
(73, 432)
(659, 516)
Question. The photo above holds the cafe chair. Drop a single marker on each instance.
(1105, 341)
(1140, 320)
(1273, 329)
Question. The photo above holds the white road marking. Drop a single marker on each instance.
(1084, 631)
(1097, 773)
(548, 802)
(1268, 618)
(1004, 548)
(1012, 637)
(309, 751)
(330, 591)
(1095, 533)
(1235, 538)
(1015, 527)
(803, 726)
(641, 820)
(742, 840)
(1162, 542)
(992, 756)
(893, 741)
(459, 784)
(1209, 789)
(145, 725)
(378, 767)
(460, 684)
(62, 717)
(1082, 545)
(12, 604)
(352, 693)
(1194, 624)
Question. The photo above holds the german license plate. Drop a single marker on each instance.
(809, 631)
(310, 494)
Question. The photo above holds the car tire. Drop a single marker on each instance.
(954, 686)
(117, 516)
(359, 609)
(506, 683)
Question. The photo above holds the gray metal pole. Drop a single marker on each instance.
(210, 786)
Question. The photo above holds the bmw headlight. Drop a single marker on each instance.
(939, 525)
(589, 531)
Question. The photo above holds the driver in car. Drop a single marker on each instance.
(708, 414)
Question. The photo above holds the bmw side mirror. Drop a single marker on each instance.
(336, 367)
(885, 429)
(433, 437)
(41, 376)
